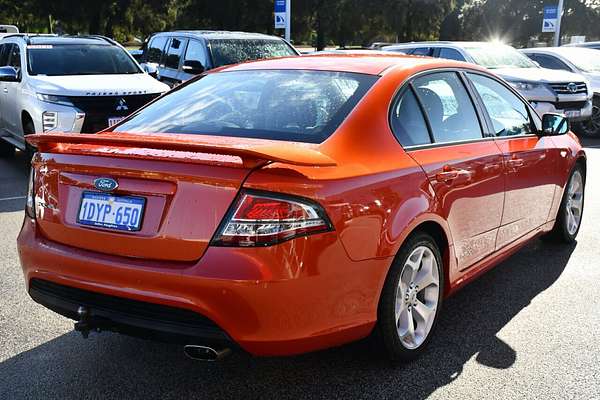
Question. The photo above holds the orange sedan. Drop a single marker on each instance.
(294, 204)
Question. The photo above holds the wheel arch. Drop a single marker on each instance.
(25, 117)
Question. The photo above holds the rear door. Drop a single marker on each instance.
(530, 160)
(437, 123)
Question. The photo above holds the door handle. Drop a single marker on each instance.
(449, 175)
(5, 90)
(446, 176)
(515, 163)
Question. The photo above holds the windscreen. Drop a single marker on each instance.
(587, 60)
(294, 105)
(234, 51)
(498, 56)
(77, 59)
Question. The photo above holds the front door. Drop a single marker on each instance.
(464, 168)
(529, 159)
(11, 117)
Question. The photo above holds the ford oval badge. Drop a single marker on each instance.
(105, 184)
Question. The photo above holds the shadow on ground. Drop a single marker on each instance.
(113, 366)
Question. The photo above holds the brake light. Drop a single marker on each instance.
(30, 203)
(264, 219)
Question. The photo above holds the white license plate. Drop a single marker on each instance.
(573, 114)
(115, 120)
(104, 210)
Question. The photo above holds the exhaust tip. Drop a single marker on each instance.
(205, 353)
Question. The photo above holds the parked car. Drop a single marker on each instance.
(249, 208)
(181, 55)
(549, 91)
(67, 84)
(588, 45)
(580, 60)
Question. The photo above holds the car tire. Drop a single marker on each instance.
(591, 127)
(29, 129)
(403, 304)
(570, 213)
(6, 149)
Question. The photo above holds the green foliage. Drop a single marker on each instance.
(315, 22)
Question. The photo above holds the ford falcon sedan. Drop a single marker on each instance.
(288, 205)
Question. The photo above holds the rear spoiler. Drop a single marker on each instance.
(251, 151)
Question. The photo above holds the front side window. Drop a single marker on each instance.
(407, 121)
(508, 113)
(450, 54)
(156, 49)
(304, 106)
(449, 108)
(196, 52)
(174, 53)
(78, 59)
(549, 62)
(14, 57)
(234, 51)
(4, 54)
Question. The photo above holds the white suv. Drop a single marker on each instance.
(67, 84)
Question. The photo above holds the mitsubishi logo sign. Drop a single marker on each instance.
(121, 105)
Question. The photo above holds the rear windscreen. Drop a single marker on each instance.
(304, 106)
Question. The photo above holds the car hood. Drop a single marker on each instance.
(97, 85)
(594, 80)
(538, 75)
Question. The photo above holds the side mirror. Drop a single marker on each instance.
(151, 70)
(193, 67)
(554, 124)
(9, 74)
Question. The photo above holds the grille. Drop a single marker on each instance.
(564, 88)
(570, 105)
(98, 109)
(124, 315)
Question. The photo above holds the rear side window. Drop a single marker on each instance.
(174, 53)
(407, 121)
(421, 51)
(304, 106)
(449, 108)
(508, 113)
(156, 49)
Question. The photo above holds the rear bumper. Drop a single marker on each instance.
(300, 296)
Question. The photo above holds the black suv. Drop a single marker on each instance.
(180, 55)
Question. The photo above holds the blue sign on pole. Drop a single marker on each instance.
(550, 19)
(280, 14)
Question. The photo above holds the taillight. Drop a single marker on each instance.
(30, 203)
(264, 219)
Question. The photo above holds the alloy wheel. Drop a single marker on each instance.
(417, 297)
(574, 206)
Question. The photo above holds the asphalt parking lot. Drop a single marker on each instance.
(528, 329)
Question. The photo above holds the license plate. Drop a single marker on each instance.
(115, 120)
(573, 114)
(104, 210)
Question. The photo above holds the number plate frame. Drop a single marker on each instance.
(110, 226)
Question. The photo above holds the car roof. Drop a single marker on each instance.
(33, 39)
(219, 34)
(375, 64)
(459, 44)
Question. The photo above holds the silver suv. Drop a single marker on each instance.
(66, 84)
(549, 91)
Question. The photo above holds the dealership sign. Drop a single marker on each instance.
(550, 19)
(280, 14)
